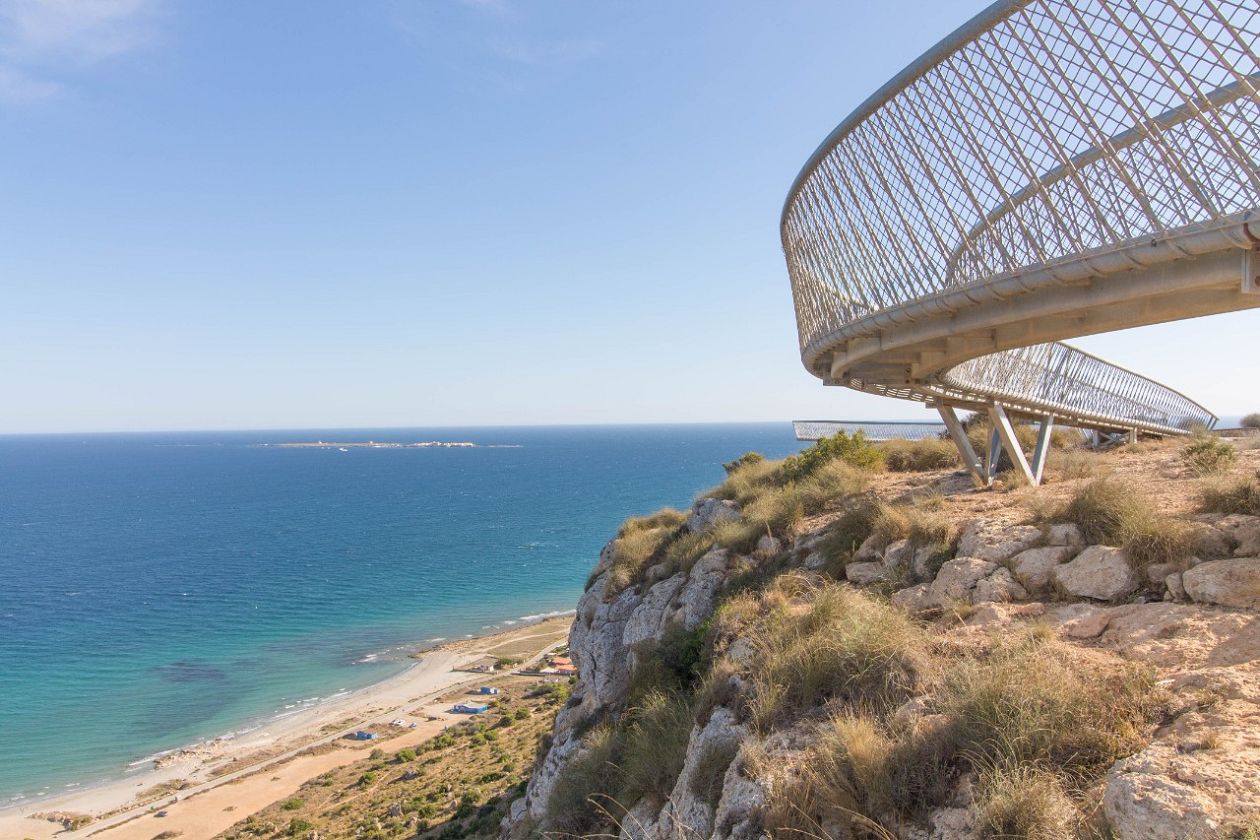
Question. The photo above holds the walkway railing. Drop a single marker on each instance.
(1053, 168)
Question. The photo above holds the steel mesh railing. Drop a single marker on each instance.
(1044, 130)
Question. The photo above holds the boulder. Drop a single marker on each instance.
(1208, 541)
(1176, 589)
(898, 554)
(864, 573)
(998, 587)
(1065, 534)
(1035, 567)
(957, 579)
(1243, 531)
(954, 824)
(1228, 583)
(1099, 572)
(921, 565)
(996, 541)
(768, 546)
(815, 560)
(709, 513)
(872, 548)
(915, 599)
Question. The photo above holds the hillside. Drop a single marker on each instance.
(854, 644)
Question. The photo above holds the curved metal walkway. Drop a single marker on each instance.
(1054, 168)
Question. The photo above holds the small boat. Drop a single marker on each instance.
(342, 449)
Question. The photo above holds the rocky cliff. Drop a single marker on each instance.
(911, 660)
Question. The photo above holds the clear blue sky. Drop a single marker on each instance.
(224, 214)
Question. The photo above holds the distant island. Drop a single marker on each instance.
(372, 444)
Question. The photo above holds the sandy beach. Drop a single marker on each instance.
(208, 787)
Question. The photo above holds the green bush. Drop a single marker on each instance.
(853, 449)
(1207, 454)
(1251, 421)
(292, 804)
(743, 461)
(298, 826)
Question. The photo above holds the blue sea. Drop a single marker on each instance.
(161, 589)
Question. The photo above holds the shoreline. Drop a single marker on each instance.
(206, 765)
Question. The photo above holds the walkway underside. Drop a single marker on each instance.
(1053, 169)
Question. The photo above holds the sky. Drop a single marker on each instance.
(304, 214)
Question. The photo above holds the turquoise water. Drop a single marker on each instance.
(156, 590)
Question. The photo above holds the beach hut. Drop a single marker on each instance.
(362, 735)
(470, 708)
(487, 689)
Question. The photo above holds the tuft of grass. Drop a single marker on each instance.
(1239, 496)
(655, 746)
(919, 455)
(829, 642)
(685, 550)
(638, 544)
(1007, 715)
(1026, 802)
(1074, 463)
(1112, 512)
(1206, 454)
(582, 792)
(830, 483)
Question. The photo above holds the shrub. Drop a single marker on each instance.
(747, 481)
(1240, 496)
(919, 455)
(298, 826)
(407, 754)
(1251, 421)
(743, 461)
(1207, 454)
(292, 804)
(853, 449)
(637, 543)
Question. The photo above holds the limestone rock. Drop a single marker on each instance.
(921, 565)
(1243, 531)
(897, 555)
(640, 822)
(689, 812)
(768, 546)
(915, 599)
(996, 541)
(707, 514)
(871, 549)
(738, 813)
(957, 579)
(1099, 572)
(864, 573)
(1228, 583)
(595, 640)
(1035, 567)
(998, 587)
(695, 600)
(647, 621)
(1208, 541)
(954, 824)
(1149, 806)
(1176, 590)
(815, 560)
(1065, 534)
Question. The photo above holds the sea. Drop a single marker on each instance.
(157, 590)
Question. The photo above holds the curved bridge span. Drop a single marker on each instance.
(1052, 169)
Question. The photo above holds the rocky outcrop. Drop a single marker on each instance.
(1198, 778)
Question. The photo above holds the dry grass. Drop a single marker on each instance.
(1237, 496)
(919, 455)
(1034, 720)
(1113, 512)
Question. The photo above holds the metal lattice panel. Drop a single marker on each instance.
(1047, 141)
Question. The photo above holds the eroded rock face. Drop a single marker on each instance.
(957, 579)
(1227, 583)
(689, 811)
(1099, 572)
(1147, 806)
(707, 514)
(996, 541)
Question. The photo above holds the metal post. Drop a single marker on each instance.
(1043, 448)
(959, 435)
(1006, 432)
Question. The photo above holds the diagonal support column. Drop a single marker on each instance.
(1006, 432)
(971, 461)
(1043, 448)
